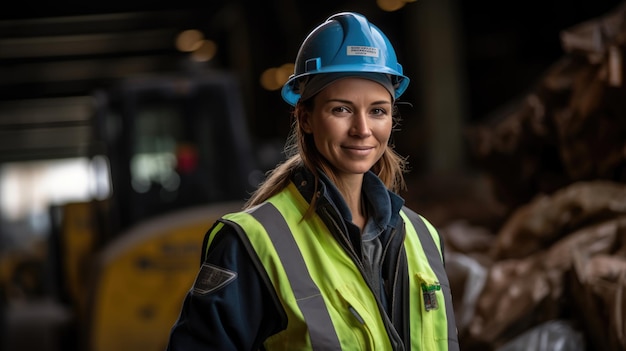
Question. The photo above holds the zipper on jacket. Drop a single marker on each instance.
(345, 240)
(356, 314)
(404, 318)
(394, 337)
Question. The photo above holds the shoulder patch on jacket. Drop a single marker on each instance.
(211, 278)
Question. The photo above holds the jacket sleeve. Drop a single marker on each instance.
(229, 307)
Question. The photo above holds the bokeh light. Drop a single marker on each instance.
(189, 40)
(206, 51)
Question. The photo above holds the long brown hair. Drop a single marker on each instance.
(300, 151)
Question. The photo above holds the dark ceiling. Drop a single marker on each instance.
(61, 51)
(51, 50)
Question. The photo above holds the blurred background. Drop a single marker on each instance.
(126, 129)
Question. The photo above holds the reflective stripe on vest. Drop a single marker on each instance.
(435, 333)
(322, 333)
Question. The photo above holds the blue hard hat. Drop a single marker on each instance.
(346, 42)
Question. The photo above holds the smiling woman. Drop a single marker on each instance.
(350, 122)
(325, 256)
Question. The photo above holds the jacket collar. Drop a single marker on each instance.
(383, 204)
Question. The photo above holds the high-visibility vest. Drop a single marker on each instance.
(327, 301)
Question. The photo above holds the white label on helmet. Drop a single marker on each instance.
(362, 51)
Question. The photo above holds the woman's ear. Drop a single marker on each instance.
(304, 117)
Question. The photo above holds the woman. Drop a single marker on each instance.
(325, 256)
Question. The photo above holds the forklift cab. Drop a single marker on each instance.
(174, 142)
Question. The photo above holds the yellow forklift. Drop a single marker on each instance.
(178, 154)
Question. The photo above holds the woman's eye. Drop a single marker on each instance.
(340, 109)
(379, 112)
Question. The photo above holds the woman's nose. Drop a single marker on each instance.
(360, 125)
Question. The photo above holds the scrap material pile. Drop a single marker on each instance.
(553, 276)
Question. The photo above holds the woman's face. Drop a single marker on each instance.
(351, 124)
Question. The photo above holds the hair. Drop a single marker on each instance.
(300, 151)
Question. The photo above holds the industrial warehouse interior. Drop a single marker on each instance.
(118, 121)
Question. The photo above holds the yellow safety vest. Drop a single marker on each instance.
(327, 301)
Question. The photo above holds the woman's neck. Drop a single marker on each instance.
(351, 191)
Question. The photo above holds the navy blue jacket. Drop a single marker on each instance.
(244, 313)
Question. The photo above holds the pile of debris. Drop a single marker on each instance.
(553, 275)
